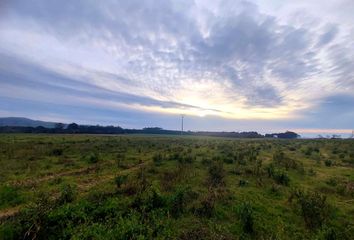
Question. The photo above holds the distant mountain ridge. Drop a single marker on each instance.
(24, 122)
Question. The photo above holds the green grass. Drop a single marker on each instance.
(174, 187)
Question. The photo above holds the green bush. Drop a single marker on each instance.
(157, 159)
(281, 177)
(242, 183)
(9, 196)
(120, 157)
(216, 174)
(313, 207)
(92, 158)
(178, 202)
(57, 152)
(67, 194)
(245, 213)
(120, 180)
(328, 162)
(207, 206)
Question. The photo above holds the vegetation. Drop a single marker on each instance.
(75, 128)
(174, 187)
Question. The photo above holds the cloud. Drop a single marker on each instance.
(230, 59)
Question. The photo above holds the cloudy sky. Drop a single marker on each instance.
(264, 65)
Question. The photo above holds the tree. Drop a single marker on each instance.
(73, 126)
(59, 126)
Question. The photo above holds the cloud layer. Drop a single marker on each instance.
(243, 60)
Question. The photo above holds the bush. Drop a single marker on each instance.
(278, 156)
(270, 170)
(57, 152)
(178, 202)
(149, 200)
(312, 172)
(207, 206)
(314, 208)
(242, 183)
(281, 178)
(92, 158)
(120, 157)
(245, 212)
(328, 163)
(9, 196)
(216, 174)
(275, 190)
(157, 159)
(120, 180)
(67, 194)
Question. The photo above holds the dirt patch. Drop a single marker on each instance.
(10, 212)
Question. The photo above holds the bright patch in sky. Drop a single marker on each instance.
(241, 65)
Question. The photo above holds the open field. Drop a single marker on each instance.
(174, 187)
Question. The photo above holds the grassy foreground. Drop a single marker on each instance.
(174, 187)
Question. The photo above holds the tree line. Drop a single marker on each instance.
(74, 128)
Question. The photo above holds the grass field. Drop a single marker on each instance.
(174, 187)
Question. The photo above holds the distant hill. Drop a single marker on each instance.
(24, 122)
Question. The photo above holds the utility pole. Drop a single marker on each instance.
(182, 117)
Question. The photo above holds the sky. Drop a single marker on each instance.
(227, 65)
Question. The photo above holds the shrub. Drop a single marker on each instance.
(242, 183)
(206, 161)
(270, 170)
(120, 180)
(120, 157)
(314, 208)
(35, 217)
(245, 212)
(67, 194)
(329, 233)
(178, 202)
(207, 206)
(275, 189)
(332, 182)
(328, 163)
(92, 157)
(175, 156)
(9, 196)
(216, 174)
(188, 158)
(228, 158)
(281, 178)
(278, 156)
(312, 172)
(149, 200)
(57, 152)
(157, 159)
